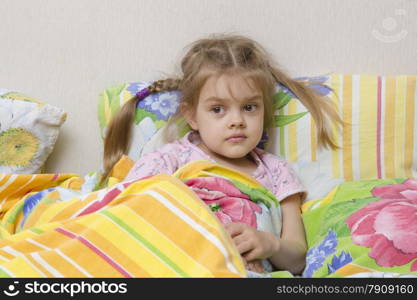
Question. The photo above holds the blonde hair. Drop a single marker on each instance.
(216, 55)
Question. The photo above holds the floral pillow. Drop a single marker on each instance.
(28, 132)
(152, 113)
(364, 228)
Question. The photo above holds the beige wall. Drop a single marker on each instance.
(66, 52)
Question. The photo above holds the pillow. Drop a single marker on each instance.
(380, 140)
(28, 132)
(152, 114)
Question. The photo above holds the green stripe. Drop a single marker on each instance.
(101, 108)
(281, 136)
(4, 274)
(36, 230)
(14, 213)
(259, 194)
(143, 241)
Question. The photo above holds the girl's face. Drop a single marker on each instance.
(229, 116)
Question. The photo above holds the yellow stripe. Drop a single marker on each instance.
(172, 224)
(313, 139)
(108, 237)
(26, 247)
(5, 254)
(335, 84)
(46, 213)
(389, 130)
(157, 237)
(368, 108)
(187, 200)
(292, 132)
(73, 206)
(196, 209)
(400, 115)
(351, 269)
(18, 181)
(17, 237)
(21, 268)
(4, 179)
(409, 127)
(203, 216)
(107, 110)
(347, 132)
(126, 96)
(38, 266)
(60, 264)
(81, 254)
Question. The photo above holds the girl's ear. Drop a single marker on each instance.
(189, 116)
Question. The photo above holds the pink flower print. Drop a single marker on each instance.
(227, 202)
(389, 226)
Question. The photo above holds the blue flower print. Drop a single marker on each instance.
(317, 255)
(135, 87)
(339, 261)
(320, 79)
(163, 105)
(320, 89)
(32, 201)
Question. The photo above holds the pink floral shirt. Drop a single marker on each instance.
(273, 172)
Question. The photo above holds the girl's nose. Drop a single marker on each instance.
(237, 121)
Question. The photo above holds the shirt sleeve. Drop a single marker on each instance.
(285, 180)
(157, 162)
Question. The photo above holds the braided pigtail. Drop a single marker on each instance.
(117, 140)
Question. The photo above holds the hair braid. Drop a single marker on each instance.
(117, 140)
(168, 84)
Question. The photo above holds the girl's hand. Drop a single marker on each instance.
(251, 243)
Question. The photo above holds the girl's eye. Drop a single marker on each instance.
(217, 109)
(250, 107)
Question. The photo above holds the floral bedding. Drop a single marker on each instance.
(364, 228)
(62, 225)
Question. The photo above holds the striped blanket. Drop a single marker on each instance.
(59, 225)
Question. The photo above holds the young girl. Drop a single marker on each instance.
(227, 84)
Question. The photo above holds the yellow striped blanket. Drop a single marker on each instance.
(57, 225)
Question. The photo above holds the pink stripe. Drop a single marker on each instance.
(96, 205)
(95, 250)
(55, 177)
(378, 130)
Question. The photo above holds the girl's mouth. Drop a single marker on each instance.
(236, 138)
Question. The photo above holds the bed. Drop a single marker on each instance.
(360, 214)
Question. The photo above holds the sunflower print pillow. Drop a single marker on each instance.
(28, 132)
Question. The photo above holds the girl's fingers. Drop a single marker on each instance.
(251, 254)
(234, 228)
(244, 247)
(239, 239)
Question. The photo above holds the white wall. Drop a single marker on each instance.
(67, 52)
